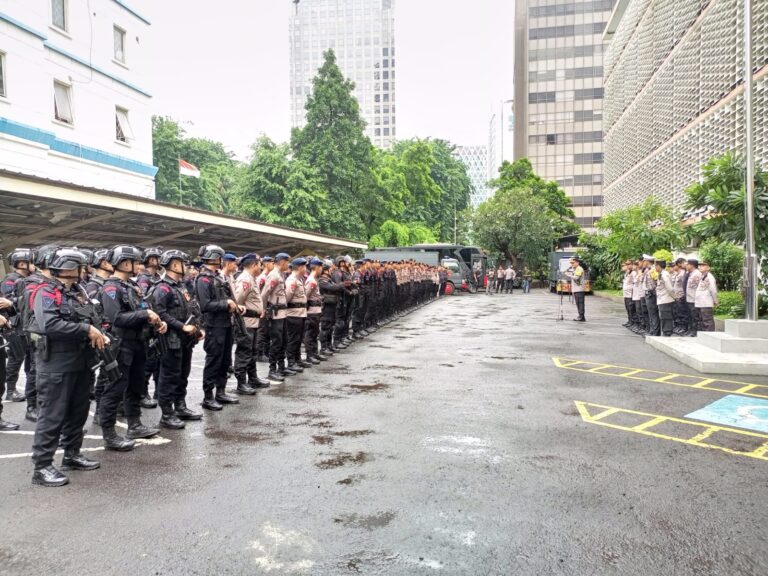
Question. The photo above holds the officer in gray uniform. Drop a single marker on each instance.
(273, 297)
(665, 298)
(651, 305)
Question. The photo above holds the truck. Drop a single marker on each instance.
(559, 263)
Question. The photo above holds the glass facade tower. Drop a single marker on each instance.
(362, 34)
(559, 96)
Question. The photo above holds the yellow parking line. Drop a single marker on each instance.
(703, 431)
(744, 388)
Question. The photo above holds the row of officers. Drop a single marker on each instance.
(97, 324)
(669, 299)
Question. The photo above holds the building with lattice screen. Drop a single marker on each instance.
(674, 93)
(475, 158)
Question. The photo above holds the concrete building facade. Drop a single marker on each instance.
(74, 101)
(559, 96)
(674, 94)
(475, 158)
(362, 34)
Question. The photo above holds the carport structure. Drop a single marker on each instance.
(35, 211)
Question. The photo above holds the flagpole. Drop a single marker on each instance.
(181, 192)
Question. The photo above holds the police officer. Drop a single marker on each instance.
(6, 311)
(273, 297)
(691, 286)
(11, 288)
(262, 336)
(248, 295)
(576, 276)
(331, 293)
(314, 312)
(128, 317)
(295, 315)
(101, 271)
(172, 303)
(665, 298)
(63, 370)
(217, 305)
(147, 278)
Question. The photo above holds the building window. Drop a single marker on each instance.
(119, 39)
(123, 131)
(2, 75)
(59, 14)
(62, 103)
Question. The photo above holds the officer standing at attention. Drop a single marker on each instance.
(314, 312)
(6, 308)
(148, 277)
(248, 295)
(102, 270)
(63, 370)
(229, 268)
(331, 293)
(295, 315)
(217, 305)
(576, 276)
(681, 309)
(127, 314)
(21, 262)
(665, 298)
(626, 286)
(273, 297)
(172, 303)
(706, 299)
(262, 335)
(691, 286)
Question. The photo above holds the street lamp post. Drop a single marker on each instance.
(750, 276)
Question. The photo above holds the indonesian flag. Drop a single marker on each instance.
(187, 169)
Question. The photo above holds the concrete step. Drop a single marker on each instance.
(747, 329)
(723, 342)
(691, 352)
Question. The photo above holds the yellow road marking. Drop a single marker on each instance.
(699, 430)
(742, 388)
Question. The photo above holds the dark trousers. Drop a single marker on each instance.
(245, 355)
(509, 286)
(17, 359)
(218, 355)
(3, 359)
(175, 366)
(276, 342)
(63, 403)
(360, 313)
(681, 313)
(693, 318)
(294, 332)
(262, 336)
(706, 319)
(327, 323)
(666, 315)
(578, 297)
(630, 308)
(644, 322)
(341, 316)
(654, 328)
(311, 332)
(131, 357)
(151, 371)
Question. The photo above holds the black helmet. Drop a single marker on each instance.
(149, 252)
(168, 255)
(88, 254)
(339, 260)
(44, 255)
(327, 264)
(21, 255)
(66, 259)
(210, 252)
(100, 255)
(123, 252)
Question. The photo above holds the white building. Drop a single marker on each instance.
(74, 102)
(501, 134)
(475, 158)
(362, 34)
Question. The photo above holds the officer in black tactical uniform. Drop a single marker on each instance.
(6, 311)
(63, 369)
(101, 271)
(217, 305)
(172, 303)
(11, 288)
(331, 293)
(148, 278)
(128, 318)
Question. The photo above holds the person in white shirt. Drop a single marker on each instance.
(509, 279)
(691, 285)
(665, 298)
(706, 299)
(626, 285)
(499, 278)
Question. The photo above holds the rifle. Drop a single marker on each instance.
(156, 341)
(239, 324)
(106, 358)
(14, 342)
(195, 338)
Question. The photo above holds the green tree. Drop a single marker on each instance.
(393, 233)
(726, 260)
(334, 144)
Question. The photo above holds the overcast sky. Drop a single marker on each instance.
(223, 67)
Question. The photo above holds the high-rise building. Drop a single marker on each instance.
(674, 94)
(74, 105)
(501, 130)
(362, 34)
(559, 96)
(475, 158)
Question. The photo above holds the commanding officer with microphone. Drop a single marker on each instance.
(577, 278)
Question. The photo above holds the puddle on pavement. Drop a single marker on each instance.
(447, 365)
(368, 388)
(241, 436)
(353, 433)
(309, 414)
(324, 440)
(344, 458)
(371, 522)
(403, 378)
(332, 369)
(388, 367)
(351, 480)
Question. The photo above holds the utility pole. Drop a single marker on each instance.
(750, 275)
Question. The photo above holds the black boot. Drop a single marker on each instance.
(223, 398)
(148, 402)
(6, 426)
(169, 419)
(137, 430)
(113, 441)
(286, 370)
(305, 363)
(209, 402)
(31, 414)
(243, 388)
(50, 477)
(313, 360)
(184, 413)
(295, 367)
(274, 375)
(76, 461)
(15, 396)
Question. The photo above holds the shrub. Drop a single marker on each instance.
(726, 260)
(730, 303)
(663, 254)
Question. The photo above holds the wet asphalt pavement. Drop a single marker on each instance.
(446, 443)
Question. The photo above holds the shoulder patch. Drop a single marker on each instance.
(273, 282)
(164, 288)
(206, 279)
(111, 291)
(246, 285)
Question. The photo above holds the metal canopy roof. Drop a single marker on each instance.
(35, 211)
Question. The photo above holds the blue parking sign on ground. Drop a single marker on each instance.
(738, 411)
